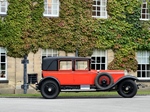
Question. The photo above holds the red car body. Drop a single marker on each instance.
(81, 77)
(75, 74)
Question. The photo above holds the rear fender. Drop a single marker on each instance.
(45, 79)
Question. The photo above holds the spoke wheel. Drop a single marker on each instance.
(127, 89)
(103, 81)
(49, 89)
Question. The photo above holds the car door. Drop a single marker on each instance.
(81, 73)
(65, 72)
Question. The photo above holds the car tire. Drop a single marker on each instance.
(103, 81)
(127, 89)
(50, 89)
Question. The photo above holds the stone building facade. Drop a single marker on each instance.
(14, 68)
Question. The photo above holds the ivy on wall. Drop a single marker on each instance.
(24, 30)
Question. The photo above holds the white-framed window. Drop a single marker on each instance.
(99, 9)
(49, 53)
(143, 58)
(144, 11)
(3, 64)
(51, 8)
(3, 7)
(99, 58)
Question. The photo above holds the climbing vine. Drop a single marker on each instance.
(25, 29)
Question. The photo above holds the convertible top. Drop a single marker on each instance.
(51, 63)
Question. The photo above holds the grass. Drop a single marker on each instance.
(75, 94)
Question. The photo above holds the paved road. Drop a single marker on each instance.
(109, 104)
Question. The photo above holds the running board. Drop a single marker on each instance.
(78, 90)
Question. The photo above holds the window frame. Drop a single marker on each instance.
(101, 54)
(5, 70)
(102, 9)
(46, 8)
(146, 15)
(5, 7)
(143, 62)
(49, 53)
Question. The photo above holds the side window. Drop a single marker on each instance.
(49, 53)
(3, 64)
(3, 7)
(51, 8)
(144, 11)
(98, 60)
(81, 65)
(65, 65)
(99, 9)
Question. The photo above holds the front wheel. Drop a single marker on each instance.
(49, 89)
(127, 89)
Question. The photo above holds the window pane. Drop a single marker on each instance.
(138, 74)
(102, 66)
(3, 9)
(143, 74)
(103, 60)
(98, 60)
(2, 75)
(81, 65)
(148, 73)
(65, 65)
(148, 67)
(92, 66)
(98, 3)
(3, 59)
(98, 67)
(3, 66)
(143, 67)
(3, 3)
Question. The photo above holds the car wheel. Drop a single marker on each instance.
(127, 89)
(103, 81)
(49, 89)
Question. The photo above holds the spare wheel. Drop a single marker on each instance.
(103, 81)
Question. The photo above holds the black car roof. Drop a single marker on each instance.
(50, 63)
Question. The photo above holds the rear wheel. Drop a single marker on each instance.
(49, 89)
(127, 89)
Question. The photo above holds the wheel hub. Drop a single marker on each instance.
(49, 89)
(104, 81)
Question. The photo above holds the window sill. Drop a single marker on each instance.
(49, 16)
(142, 19)
(143, 80)
(3, 14)
(4, 81)
(100, 17)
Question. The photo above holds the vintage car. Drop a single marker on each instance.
(65, 74)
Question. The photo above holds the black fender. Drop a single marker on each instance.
(126, 77)
(38, 86)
